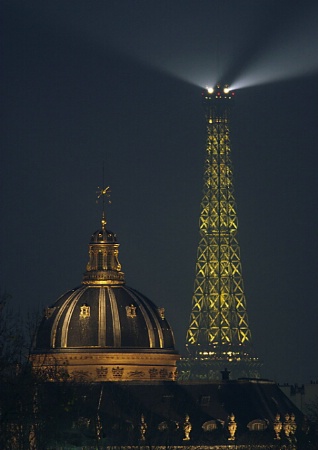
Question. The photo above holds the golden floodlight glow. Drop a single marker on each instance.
(210, 90)
(226, 90)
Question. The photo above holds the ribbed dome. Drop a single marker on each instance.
(104, 330)
(105, 318)
(103, 236)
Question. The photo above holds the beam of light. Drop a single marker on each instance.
(292, 54)
(247, 42)
(288, 51)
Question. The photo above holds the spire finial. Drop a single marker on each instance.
(103, 267)
(102, 193)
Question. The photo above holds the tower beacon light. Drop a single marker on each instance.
(219, 91)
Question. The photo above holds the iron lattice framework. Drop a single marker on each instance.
(218, 334)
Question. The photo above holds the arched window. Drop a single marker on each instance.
(211, 425)
(257, 425)
(100, 260)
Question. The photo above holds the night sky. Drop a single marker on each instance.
(118, 83)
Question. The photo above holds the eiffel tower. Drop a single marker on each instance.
(218, 336)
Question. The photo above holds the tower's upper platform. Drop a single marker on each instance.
(218, 101)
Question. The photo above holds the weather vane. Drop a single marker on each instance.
(103, 193)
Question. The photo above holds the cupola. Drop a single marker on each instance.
(104, 330)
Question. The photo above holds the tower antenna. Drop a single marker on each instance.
(217, 44)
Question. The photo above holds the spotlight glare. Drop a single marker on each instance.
(226, 90)
(210, 90)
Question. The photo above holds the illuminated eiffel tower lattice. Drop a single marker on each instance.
(218, 336)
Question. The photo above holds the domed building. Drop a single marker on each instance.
(104, 330)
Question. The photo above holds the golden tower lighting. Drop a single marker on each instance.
(218, 336)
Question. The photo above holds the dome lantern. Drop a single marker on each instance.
(103, 267)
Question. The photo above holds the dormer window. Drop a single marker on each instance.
(85, 311)
(257, 425)
(131, 311)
